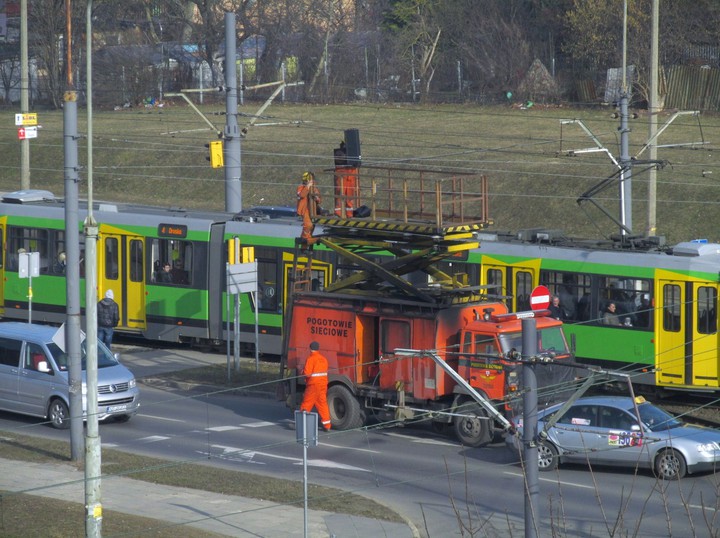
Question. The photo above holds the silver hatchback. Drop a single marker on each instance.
(34, 377)
(605, 430)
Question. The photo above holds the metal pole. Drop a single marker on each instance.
(305, 475)
(653, 110)
(530, 421)
(625, 162)
(236, 333)
(30, 295)
(231, 148)
(72, 249)
(24, 94)
(93, 451)
(227, 323)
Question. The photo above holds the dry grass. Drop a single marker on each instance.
(158, 156)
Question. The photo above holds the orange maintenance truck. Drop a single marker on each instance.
(406, 335)
(360, 337)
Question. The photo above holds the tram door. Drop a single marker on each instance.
(2, 266)
(121, 269)
(670, 320)
(704, 334)
(510, 280)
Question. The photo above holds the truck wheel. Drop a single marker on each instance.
(344, 408)
(473, 429)
(59, 414)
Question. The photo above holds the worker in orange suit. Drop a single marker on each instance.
(346, 183)
(316, 384)
(308, 205)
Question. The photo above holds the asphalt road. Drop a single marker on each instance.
(427, 477)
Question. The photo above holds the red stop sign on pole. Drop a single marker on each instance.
(540, 298)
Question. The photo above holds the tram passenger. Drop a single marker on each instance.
(179, 275)
(166, 274)
(555, 308)
(610, 317)
(568, 298)
(60, 263)
(644, 311)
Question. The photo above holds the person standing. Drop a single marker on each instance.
(108, 316)
(308, 206)
(316, 384)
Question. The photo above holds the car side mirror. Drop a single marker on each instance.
(43, 367)
(635, 428)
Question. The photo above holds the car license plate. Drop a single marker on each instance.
(116, 408)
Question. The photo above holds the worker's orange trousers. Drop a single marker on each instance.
(316, 396)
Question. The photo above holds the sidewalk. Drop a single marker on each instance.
(222, 514)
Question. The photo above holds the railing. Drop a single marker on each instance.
(444, 198)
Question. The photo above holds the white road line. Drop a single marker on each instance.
(258, 424)
(561, 482)
(223, 428)
(421, 440)
(153, 439)
(161, 418)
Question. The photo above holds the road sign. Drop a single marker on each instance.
(26, 119)
(540, 298)
(27, 132)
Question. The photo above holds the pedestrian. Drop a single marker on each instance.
(308, 206)
(316, 384)
(108, 316)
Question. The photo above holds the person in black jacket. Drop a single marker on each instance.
(108, 316)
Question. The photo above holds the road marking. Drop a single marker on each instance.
(250, 455)
(421, 440)
(561, 482)
(258, 424)
(223, 428)
(161, 418)
(153, 439)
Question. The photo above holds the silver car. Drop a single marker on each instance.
(605, 430)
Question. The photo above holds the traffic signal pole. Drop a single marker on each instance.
(231, 150)
(530, 426)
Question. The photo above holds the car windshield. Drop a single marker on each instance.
(105, 358)
(550, 339)
(655, 419)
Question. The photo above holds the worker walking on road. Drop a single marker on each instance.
(316, 384)
(308, 205)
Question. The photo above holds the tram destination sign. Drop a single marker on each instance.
(174, 231)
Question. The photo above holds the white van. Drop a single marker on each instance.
(34, 377)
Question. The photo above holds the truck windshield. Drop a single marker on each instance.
(105, 358)
(550, 339)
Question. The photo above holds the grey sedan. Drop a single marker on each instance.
(606, 430)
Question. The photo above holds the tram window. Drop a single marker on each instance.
(395, 334)
(267, 286)
(178, 255)
(706, 311)
(632, 298)
(523, 289)
(111, 258)
(2, 250)
(136, 261)
(672, 304)
(573, 289)
(29, 240)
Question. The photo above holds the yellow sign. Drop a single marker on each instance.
(26, 119)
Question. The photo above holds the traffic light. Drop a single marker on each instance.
(216, 154)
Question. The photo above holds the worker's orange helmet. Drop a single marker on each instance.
(307, 176)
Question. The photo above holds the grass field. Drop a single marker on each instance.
(157, 155)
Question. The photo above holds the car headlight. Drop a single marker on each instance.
(708, 447)
(131, 383)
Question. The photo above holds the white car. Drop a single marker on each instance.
(605, 430)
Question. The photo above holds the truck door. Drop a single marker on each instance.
(121, 269)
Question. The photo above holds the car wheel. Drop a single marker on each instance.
(548, 458)
(59, 414)
(345, 413)
(474, 428)
(670, 465)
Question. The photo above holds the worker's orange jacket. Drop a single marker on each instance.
(316, 369)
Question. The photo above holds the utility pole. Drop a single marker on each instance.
(231, 149)
(530, 426)
(72, 249)
(24, 95)
(653, 110)
(93, 459)
(625, 161)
